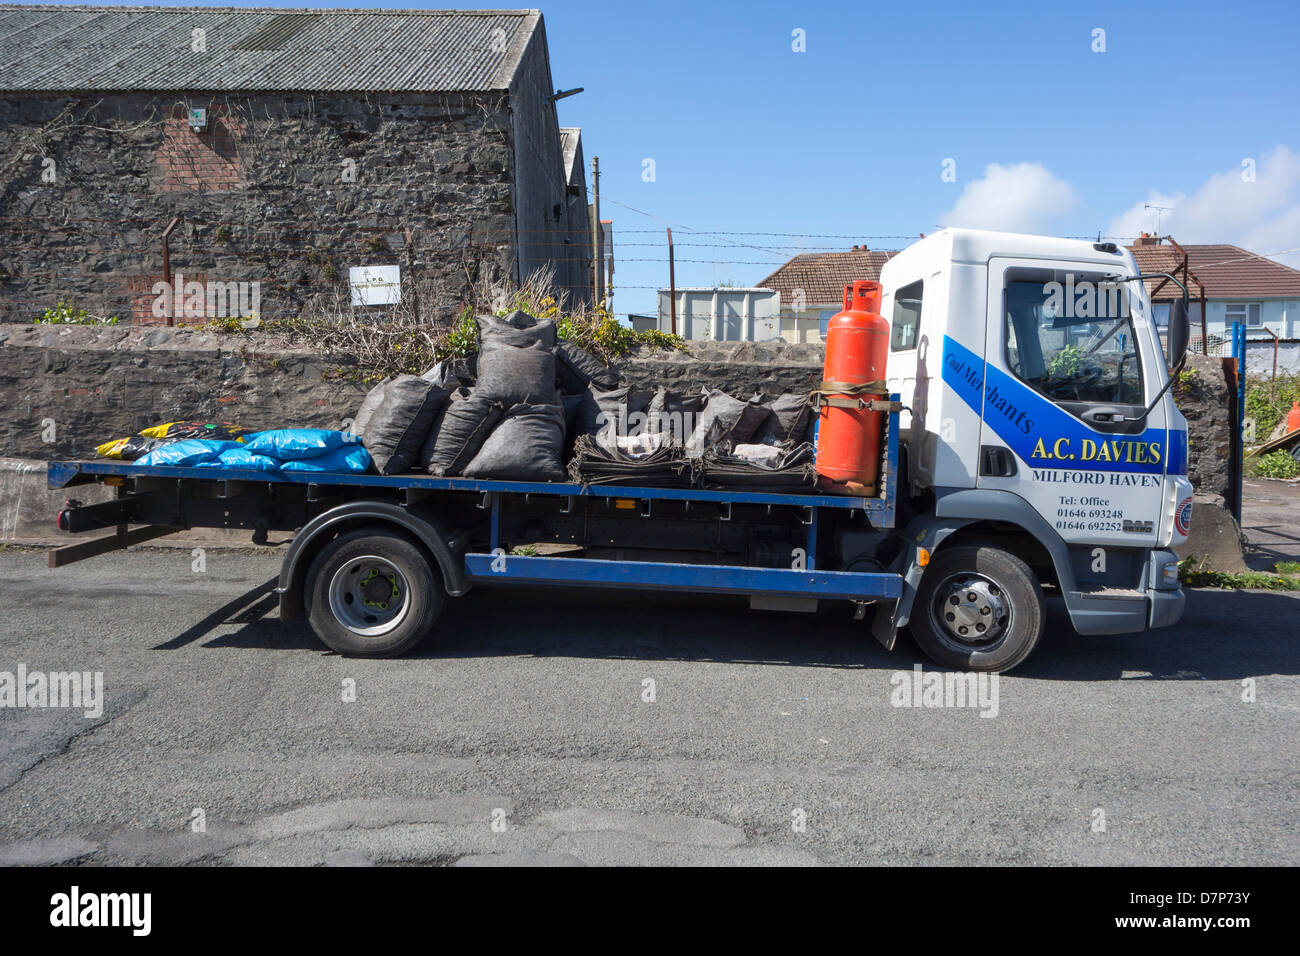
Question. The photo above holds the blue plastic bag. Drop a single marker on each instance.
(188, 453)
(294, 443)
(350, 459)
(241, 458)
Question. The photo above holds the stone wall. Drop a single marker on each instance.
(66, 389)
(1202, 396)
(286, 191)
(96, 383)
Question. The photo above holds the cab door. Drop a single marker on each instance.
(1070, 364)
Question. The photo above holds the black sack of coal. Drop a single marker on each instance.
(395, 432)
(461, 431)
(612, 414)
(518, 330)
(725, 422)
(453, 373)
(577, 369)
(369, 405)
(526, 445)
(787, 421)
(673, 415)
(516, 360)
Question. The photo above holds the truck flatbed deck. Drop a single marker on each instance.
(770, 545)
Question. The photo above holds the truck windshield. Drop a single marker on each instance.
(1072, 339)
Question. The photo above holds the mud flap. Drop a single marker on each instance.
(882, 626)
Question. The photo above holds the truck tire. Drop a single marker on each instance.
(371, 593)
(978, 608)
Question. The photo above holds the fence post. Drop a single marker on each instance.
(1238, 451)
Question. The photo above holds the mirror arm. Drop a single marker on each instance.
(1173, 373)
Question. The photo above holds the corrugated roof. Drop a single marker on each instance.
(570, 143)
(823, 275)
(107, 49)
(1227, 272)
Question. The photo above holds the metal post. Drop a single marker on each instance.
(1239, 354)
(672, 283)
(167, 270)
(598, 238)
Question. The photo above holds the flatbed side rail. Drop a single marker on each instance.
(718, 579)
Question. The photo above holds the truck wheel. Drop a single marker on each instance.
(978, 609)
(372, 594)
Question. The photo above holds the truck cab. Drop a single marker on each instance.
(1038, 436)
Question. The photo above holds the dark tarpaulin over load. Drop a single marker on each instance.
(593, 464)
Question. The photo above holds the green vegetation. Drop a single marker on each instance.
(1065, 363)
(417, 333)
(1276, 464)
(64, 314)
(1284, 580)
(1269, 399)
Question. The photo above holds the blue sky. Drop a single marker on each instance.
(847, 140)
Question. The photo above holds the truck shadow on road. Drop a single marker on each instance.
(1224, 635)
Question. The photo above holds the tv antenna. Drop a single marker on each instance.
(1159, 210)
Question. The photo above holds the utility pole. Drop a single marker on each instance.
(597, 236)
(672, 283)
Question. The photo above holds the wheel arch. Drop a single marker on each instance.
(349, 517)
(982, 515)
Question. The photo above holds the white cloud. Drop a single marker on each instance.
(1020, 198)
(1262, 216)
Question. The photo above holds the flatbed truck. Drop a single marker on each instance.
(1031, 447)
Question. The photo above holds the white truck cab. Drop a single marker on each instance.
(1038, 435)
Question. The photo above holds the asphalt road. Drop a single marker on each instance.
(521, 734)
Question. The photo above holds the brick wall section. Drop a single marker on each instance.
(204, 161)
(261, 194)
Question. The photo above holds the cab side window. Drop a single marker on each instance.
(907, 317)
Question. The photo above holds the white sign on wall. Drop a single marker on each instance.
(375, 285)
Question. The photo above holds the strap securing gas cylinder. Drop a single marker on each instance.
(849, 395)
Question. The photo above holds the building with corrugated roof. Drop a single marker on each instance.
(279, 147)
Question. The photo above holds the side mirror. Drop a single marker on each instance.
(1180, 330)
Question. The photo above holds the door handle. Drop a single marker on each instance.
(997, 462)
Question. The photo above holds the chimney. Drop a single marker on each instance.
(1146, 239)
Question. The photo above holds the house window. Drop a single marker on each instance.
(1247, 313)
(824, 319)
(907, 317)
(1160, 311)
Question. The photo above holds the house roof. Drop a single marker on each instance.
(49, 48)
(823, 275)
(1227, 272)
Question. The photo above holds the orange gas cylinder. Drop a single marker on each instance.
(848, 432)
(1293, 417)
